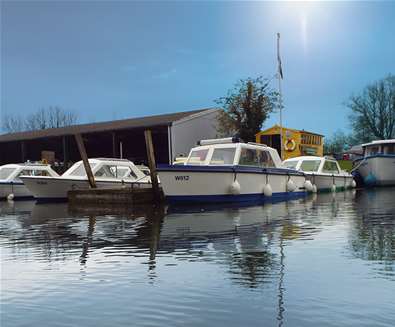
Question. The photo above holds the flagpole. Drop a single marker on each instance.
(280, 76)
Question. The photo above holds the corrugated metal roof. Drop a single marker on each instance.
(141, 122)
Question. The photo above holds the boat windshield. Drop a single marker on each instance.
(255, 158)
(389, 149)
(310, 165)
(6, 172)
(290, 164)
(197, 157)
(223, 156)
(80, 169)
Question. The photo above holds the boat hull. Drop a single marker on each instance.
(190, 184)
(377, 170)
(55, 189)
(324, 182)
(18, 190)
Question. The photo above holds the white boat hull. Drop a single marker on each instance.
(47, 189)
(181, 184)
(18, 190)
(325, 182)
(378, 170)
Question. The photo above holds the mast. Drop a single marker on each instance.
(280, 77)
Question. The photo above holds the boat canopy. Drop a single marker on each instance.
(379, 147)
(228, 153)
(12, 172)
(313, 164)
(107, 168)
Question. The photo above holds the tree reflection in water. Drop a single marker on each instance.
(372, 234)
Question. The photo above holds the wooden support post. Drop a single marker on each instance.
(65, 152)
(151, 164)
(84, 157)
(23, 152)
(114, 145)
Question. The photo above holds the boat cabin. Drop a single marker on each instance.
(231, 152)
(12, 172)
(313, 164)
(107, 169)
(381, 147)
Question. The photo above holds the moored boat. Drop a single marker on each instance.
(108, 173)
(227, 170)
(377, 167)
(324, 173)
(11, 184)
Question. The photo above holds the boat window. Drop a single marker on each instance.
(372, 150)
(128, 174)
(224, 156)
(290, 164)
(310, 165)
(33, 172)
(197, 157)
(389, 149)
(330, 167)
(6, 172)
(255, 158)
(80, 169)
(107, 171)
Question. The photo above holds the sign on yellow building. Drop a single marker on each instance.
(295, 142)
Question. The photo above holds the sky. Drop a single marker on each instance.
(108, 60)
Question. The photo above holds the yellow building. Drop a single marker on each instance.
(295, 142)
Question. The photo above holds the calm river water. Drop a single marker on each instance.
(325, 260)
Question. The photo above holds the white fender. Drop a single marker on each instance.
(333, 188)
(291, 186)
(308, 186)
(353, 184)
(10, 197)
(235, 188)
(267, 190)
(314, 190)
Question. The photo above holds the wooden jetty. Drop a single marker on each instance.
(130, 196)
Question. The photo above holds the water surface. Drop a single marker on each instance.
(325, 260)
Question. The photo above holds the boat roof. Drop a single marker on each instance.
(378, 142)
(309, 158)
(26, 164)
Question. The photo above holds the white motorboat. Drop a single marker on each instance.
(11, 185)
(226, 170)
(377, 167)
(109, 173)
(324, 173)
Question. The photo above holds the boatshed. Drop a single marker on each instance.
(173, 135)
(295, 142)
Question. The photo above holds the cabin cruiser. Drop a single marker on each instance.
(227, 170)
(377, 167)
(323, 172)
(108, 173)
(11, 185)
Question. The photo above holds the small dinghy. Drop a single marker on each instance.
(11, 184)
(227, 170)
(323, 172)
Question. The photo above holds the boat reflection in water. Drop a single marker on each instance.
(214, 262)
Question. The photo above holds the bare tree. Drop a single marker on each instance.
(12, 124)
(373, 111)
(52, 117)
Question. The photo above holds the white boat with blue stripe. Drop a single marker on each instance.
(227, 170)
(377, 167)
(324, 173)
(11, 185)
